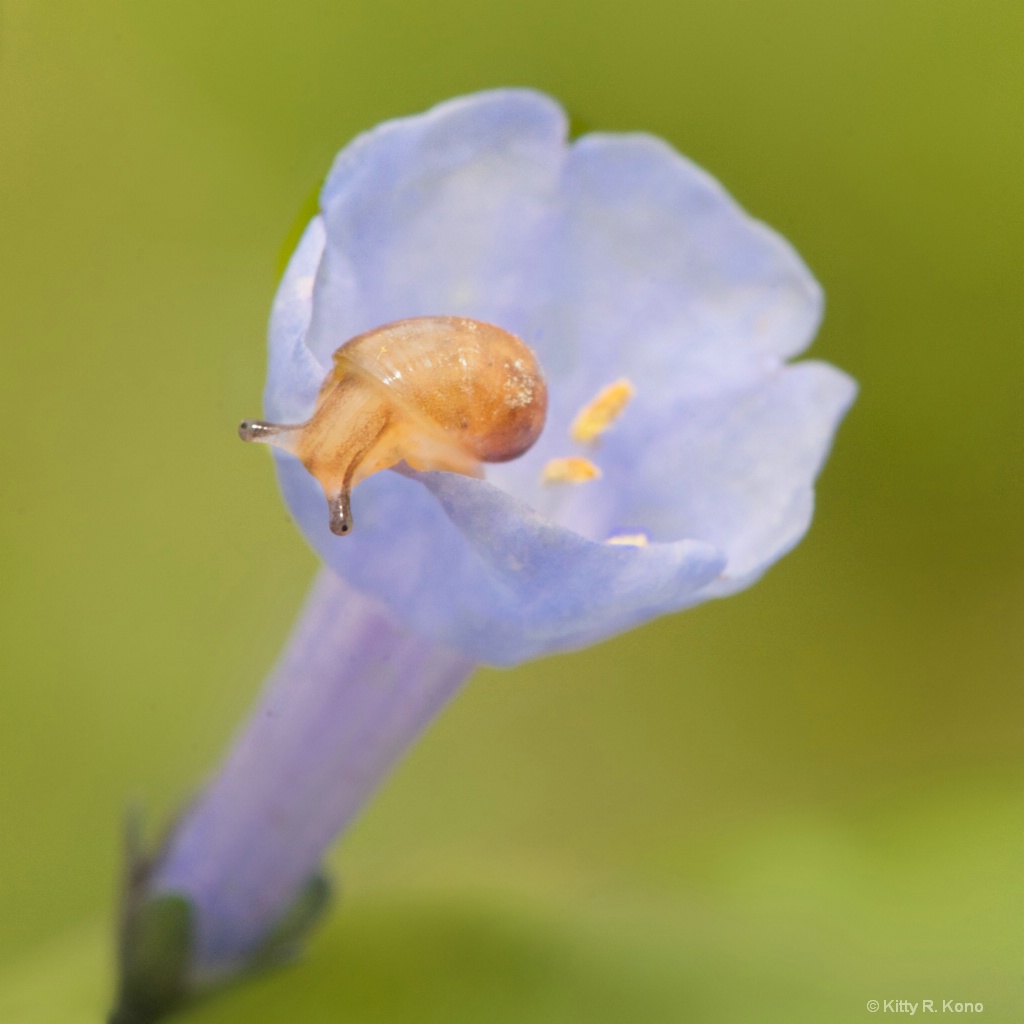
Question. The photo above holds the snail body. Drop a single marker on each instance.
(439, 393)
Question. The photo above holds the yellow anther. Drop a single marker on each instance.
(569, 470)
(631, 540)
(601, 411)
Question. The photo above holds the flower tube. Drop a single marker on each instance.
(677, 464)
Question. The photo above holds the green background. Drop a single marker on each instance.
(772, 808)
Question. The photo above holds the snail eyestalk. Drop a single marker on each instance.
(341, 512)
(439, 393)
(266, 433)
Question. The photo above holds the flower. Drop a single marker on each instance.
(649, 296)
(613, 257)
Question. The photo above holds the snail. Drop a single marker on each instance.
(437, 392)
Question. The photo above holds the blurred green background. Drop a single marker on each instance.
(772, 808)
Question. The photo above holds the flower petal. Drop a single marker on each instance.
(463, 562)
(654, 274)
(562, 589)
(438, 214)
(294, 374)
(736, 469)
(655, 256)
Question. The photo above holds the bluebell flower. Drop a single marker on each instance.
(615, 259)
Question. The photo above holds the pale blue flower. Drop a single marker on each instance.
(613, 257)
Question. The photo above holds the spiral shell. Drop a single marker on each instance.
(439, 393)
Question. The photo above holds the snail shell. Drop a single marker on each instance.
(437, 392)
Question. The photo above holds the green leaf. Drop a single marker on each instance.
(155, 951)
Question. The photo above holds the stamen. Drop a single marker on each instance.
(632, 540)
(601, 411)
(569, 470)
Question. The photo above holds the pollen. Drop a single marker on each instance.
(572, 469)
(630, 540)
(601, 411)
